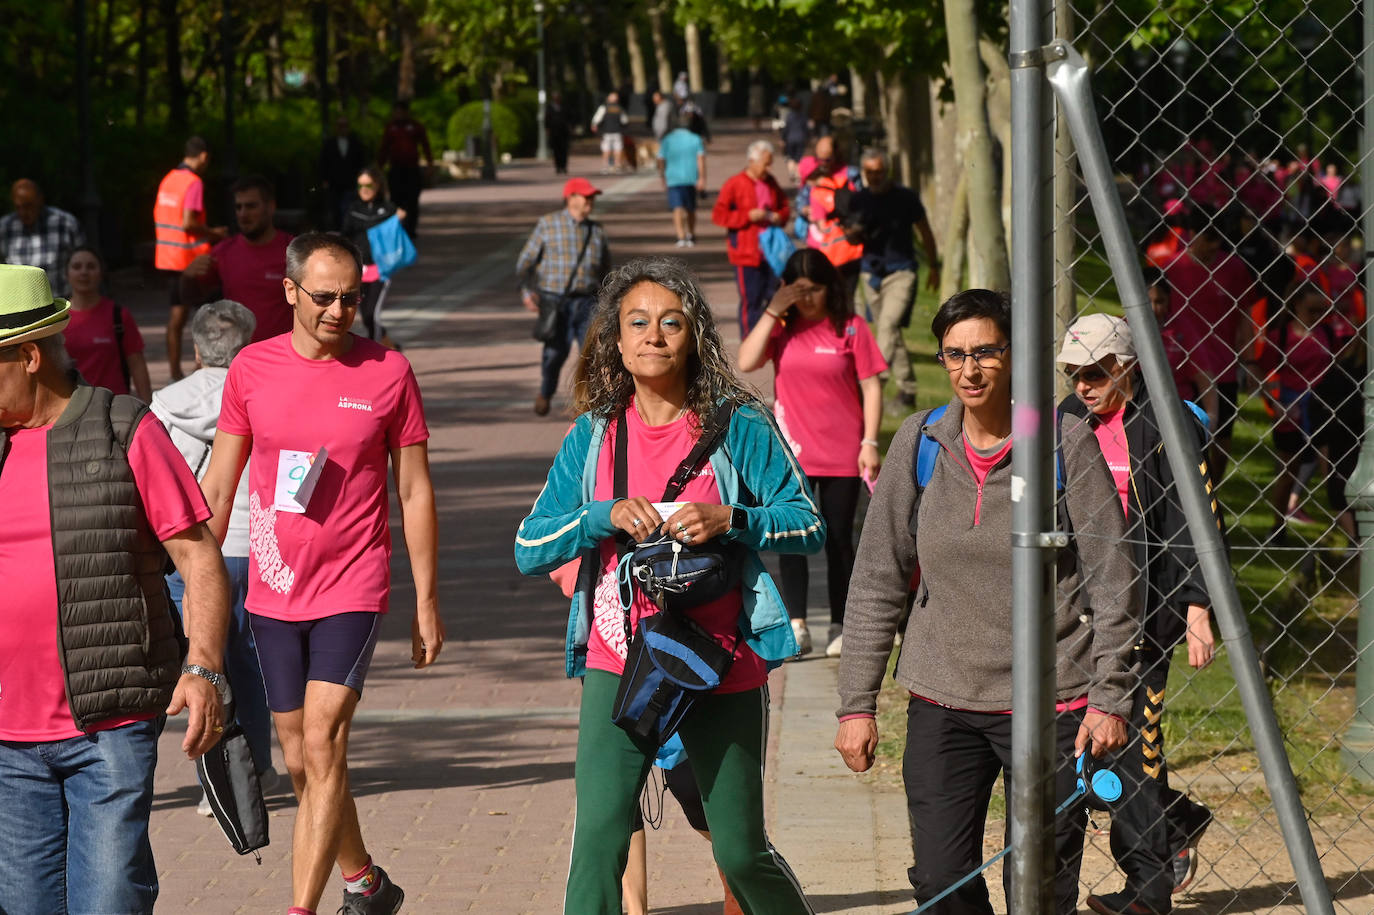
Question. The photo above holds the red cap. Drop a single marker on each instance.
(580, 186)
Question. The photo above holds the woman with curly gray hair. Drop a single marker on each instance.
(653, 381)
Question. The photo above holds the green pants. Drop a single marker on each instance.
(725, 737)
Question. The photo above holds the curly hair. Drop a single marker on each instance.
(603, 386)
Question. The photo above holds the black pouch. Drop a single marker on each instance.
(678, 577)
(230, 780)
(549, 323)
(671, 663)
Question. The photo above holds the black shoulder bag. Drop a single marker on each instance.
(551, 322)
(670, 661)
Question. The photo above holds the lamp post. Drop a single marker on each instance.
(90, 197)
(542, 154)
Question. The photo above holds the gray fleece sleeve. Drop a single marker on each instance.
(1108, 573)
(882, 577)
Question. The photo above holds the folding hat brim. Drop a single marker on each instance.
(54, 323)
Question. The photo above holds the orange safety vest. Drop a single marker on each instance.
(175, 249)
(826, 234)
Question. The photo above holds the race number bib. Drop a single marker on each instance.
(297, 474)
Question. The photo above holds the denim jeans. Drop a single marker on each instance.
(576, 318)
(241, 663)
(74, 823)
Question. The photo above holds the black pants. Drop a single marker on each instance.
(404, 181)
(951, 762)
(839, 499)
(559, 147)
(374, 294)
(1153, 822)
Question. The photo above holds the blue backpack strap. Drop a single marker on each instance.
(927, 450)
(1201, 415)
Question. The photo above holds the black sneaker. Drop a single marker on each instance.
(386, 899)
(1122, 903)
(1185, 869)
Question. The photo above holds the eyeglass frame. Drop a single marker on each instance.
(994, 353)
(341, 297)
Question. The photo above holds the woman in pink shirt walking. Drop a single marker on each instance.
(102, 338)
(828, 399)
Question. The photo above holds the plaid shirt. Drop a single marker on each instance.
(548, 256)
(47, 244)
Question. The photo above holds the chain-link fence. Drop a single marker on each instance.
(1235, 134)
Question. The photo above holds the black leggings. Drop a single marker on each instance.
(839, 499)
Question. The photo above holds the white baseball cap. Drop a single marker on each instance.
(1093, 338)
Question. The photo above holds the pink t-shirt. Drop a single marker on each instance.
(334, 557)
(195, 197)
(33, 698)
(90, 339)
(1111, 436)
(816, 391)
(1210, 302)
(654, 453)
(982, 466)
(763, 194)
(252, 276)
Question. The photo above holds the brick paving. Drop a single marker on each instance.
(463, 773)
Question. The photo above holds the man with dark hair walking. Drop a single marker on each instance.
(323, 411)
(249, 267)
(182, 236)
(399, 153)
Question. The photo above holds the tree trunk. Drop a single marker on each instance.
(725, 79)
(692, 34)
(999, 116)
(639, 79)
(272, 61)
(665, 65)
(945, 170)
(956, 240)
(613, 65)
(177, 116)
(1065, 194)
(319, 15)
(989, 265)
(858, 97)
(106, 40)
(141, 66)
(405, 72)
(908, 139)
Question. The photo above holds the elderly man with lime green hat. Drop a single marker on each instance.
(96, 499)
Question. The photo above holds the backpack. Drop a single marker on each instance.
(927, 450)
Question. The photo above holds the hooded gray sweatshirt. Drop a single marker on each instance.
(957, 651)
(189, 408)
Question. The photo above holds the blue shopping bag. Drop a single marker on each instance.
(776, 247)
(392, 248)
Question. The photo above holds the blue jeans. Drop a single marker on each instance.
(241, 664)
(74, 823)
(576, 317)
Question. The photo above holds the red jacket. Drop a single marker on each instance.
(731, 212)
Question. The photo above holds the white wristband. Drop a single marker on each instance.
(868, 441)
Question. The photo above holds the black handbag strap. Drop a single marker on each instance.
(572, 277)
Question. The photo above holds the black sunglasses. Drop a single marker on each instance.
(325, 299)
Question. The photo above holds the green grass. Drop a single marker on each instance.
(1299, 604)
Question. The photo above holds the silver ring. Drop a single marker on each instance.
(637, 522)
(686, 538)
(681, 526)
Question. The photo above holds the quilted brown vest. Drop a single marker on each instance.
(119, 638)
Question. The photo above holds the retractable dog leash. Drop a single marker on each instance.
(1098, 788)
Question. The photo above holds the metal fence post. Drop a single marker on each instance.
(1069, 76)
(1357, 744)
(1033, 669)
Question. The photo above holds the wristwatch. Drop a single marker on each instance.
(216, 680)
(738, 519)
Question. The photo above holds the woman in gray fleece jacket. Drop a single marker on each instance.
(956, 659)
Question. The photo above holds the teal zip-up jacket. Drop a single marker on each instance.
(754, 470)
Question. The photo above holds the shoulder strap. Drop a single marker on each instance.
(704, 446)
(1200, 413)
(927, 450)
(620, 486)
(586, 240)
(119, 343)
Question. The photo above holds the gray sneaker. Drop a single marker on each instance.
(386, 899)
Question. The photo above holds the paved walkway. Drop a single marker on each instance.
(463, 773)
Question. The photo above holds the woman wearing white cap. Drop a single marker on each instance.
(1156, 830)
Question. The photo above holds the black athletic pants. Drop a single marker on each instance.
(951, 762)
(839, 500)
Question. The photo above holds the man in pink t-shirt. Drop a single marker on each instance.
(249, 267)
(322, 410)
(82, 678)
